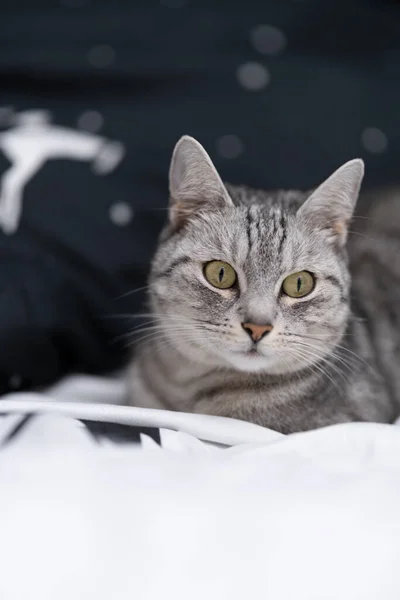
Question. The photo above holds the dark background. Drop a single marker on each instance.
(279, 92)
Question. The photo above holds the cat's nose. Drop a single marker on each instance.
(256, 332)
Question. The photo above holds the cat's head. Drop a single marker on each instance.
(253, 281)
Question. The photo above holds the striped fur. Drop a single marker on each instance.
(331, 357)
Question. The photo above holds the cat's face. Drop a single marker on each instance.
(259, 286)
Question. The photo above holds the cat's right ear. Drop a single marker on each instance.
(194, 183)
(330, 207)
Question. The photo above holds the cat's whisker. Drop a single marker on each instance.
(165, 328)
(325, 357)
(316, 338)
(149, 325)
(359, 319)
(135, 331)
(135, 291)
(361, 217)
(321, 358)
(357, 356)
(178, 335)
(364, 235)
(349, 363)
(319, 365)
(119, 316)
(329, 360)
(303, 354)
(310, 367)
(156, 327)
(164, 316)
(155, 322)
(338, 347)
(170, 326)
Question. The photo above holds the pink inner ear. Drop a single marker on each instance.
(178, 214)
(340, 227)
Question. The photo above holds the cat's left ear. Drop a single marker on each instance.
(194, 183)
(330, 207)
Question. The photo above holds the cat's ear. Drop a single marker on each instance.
(330, 207)
(194, 183)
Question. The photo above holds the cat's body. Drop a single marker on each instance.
(327, 357)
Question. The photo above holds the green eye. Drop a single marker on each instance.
(220, 274)
(298, 284)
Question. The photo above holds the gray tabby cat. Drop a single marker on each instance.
(251, 311)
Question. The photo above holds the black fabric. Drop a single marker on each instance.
(120, 433)
(116, 433)
(16, 430)
(153, 71)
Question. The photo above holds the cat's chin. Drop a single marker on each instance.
(252, 363)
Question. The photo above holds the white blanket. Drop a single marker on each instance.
(312, 516)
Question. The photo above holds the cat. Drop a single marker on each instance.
(253, 311)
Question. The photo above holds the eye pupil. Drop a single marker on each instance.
(298, 284)
(220, 274)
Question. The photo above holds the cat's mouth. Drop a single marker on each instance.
(251, 360)
(252, 352)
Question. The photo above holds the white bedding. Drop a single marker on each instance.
(312, 516)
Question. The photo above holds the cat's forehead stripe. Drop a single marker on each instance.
(266, 231)
(283, 233)
(249, 225)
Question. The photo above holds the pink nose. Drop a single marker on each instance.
(256, 332)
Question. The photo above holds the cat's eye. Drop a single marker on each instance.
(298, 284)
(220, 274)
